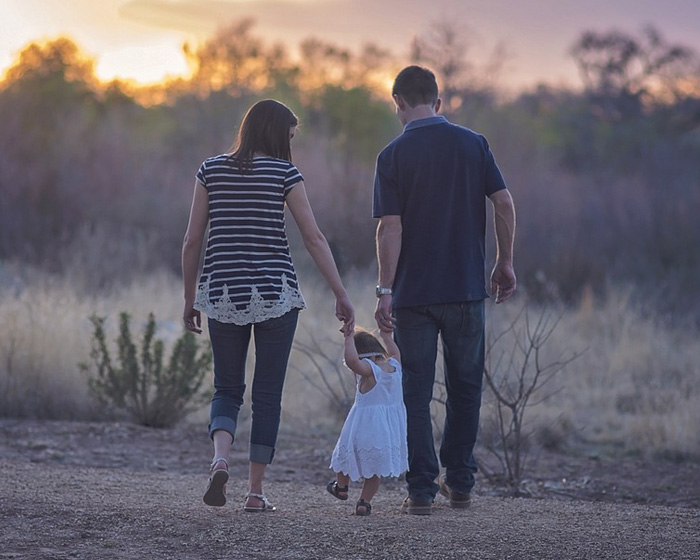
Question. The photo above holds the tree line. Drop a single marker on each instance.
(98, 177)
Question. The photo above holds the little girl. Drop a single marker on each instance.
(372, 442)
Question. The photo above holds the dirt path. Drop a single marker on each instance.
(111, 491)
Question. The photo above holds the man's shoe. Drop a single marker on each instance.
(458, 500)
(420, 505)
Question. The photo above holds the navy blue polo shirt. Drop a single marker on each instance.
(436, 176)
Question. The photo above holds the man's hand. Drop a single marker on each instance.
(382, 313)
(502, 281)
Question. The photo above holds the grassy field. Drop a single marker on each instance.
(633, 386)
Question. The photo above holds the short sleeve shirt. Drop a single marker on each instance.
(436, 176)
(248, 275)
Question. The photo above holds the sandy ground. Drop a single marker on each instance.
(73, 490)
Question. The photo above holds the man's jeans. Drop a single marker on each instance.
(461, 328)
(273, 343)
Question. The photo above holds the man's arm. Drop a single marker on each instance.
(388, 251)
(503, 280)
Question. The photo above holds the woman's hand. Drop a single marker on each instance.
(345, 312)
(192, 319)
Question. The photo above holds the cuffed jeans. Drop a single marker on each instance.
(461, 328)
(273, 343)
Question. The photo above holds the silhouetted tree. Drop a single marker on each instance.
(623, 72)
(444, 48)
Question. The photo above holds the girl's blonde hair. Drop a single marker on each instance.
(367, 343)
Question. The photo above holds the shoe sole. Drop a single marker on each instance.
(259, 509)
(214, 496)
(418, 510)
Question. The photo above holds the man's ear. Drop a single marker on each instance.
(400, 102)
(438, 104)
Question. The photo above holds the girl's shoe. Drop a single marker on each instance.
(363, 508)
(266, 506)
(336, 491)
(216, 490)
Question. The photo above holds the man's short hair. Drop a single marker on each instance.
(417, 85)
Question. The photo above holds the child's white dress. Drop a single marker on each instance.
(373, 439)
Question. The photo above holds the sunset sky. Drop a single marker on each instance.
(142, 39)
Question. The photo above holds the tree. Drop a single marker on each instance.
(444, 48)
(238, 62)
(49, 93)
(516, 377)
(623, 73)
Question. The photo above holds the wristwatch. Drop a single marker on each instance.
(383, 291)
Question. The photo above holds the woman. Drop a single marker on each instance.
(248, 283)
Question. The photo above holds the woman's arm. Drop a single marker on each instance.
(317, 246)
(191, 251)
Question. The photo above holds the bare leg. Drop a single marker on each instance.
(343, 480)
(369, 488)
(256, 473)
(215, 494)
(222, 444)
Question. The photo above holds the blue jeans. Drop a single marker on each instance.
(273, 343)
(461, 327)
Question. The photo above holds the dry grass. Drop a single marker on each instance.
(46, 334)
(635, 386)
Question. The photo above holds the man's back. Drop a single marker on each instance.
(436, 176)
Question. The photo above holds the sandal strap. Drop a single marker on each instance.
(362, 503)
(335, 490)
(218, 459)
(260, 497)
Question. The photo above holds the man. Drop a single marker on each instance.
(430, 191)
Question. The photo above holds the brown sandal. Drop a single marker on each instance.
(335, 490)
(215, 494)
(363, 508)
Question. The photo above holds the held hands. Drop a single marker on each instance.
(503, 281)
(345, 312)
(382, 313)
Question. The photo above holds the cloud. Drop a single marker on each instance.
(190, 16)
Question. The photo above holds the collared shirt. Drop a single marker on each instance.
(436, 175)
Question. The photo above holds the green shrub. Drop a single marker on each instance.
(151, 394)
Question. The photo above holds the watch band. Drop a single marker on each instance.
(383, 291)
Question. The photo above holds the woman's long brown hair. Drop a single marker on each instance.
(264, 129)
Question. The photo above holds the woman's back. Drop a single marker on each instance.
(248, 275)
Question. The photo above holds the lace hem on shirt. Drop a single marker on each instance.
(257, 310)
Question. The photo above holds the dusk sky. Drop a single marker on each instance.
(142, 39)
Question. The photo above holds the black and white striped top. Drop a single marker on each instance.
(248, 275)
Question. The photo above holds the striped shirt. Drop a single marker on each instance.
(248, 274)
